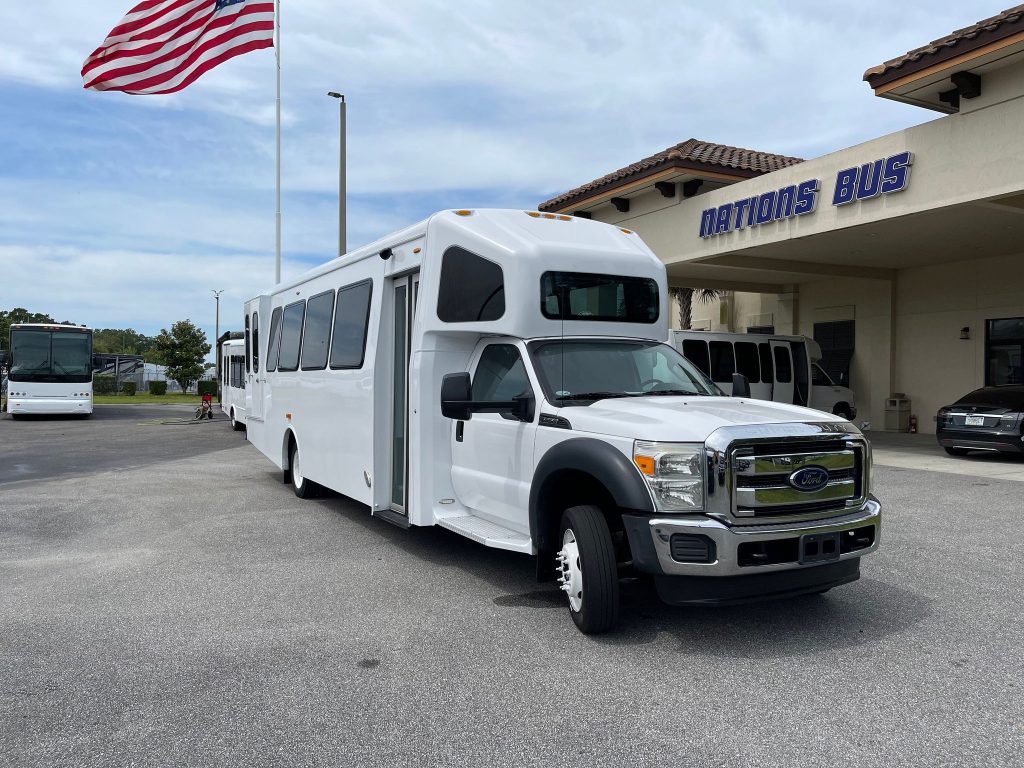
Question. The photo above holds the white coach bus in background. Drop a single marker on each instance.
(49, 370)
(784, 369)
(232, 381)
(504, 374)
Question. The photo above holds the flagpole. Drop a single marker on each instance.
(277, 212)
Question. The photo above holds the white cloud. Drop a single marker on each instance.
(126, 204)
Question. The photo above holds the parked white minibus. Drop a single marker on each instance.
(784, 369)
(232, 381)
(504, 374)
(49, 370)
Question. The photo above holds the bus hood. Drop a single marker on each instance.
(682, 419)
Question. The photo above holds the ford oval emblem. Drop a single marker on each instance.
(809, 479)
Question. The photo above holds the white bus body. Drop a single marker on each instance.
(504, 374)
(50, 370)
(783, 369)
(232, 381)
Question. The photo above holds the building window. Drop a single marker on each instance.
(472, 288)
(351, 318)
(1004, 351)
(836, 340)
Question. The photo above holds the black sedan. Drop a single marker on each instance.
(988, 419)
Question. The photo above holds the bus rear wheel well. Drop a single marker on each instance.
(286, 454)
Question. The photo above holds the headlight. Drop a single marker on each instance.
(674, 472)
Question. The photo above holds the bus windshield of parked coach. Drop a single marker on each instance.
(587, 296)
(578, 372)
(44, 355)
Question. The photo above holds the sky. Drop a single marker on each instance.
(127, 211)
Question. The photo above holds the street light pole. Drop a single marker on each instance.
(342, 182)
(216, 337)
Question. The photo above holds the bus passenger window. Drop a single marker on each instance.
(291, 336)
(746, 361)
(723, 364)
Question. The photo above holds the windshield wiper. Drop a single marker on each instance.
(595, 395)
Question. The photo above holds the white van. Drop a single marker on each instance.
(784, 369)
(504, 374)
(232, 381)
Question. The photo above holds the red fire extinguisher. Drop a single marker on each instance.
(913, 423)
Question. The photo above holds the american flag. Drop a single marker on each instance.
(161, 46)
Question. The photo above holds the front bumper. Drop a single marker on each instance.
(49, 405)
(650, 542)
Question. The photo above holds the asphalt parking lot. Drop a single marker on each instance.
(165, 600)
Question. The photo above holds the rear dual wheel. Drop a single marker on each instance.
(587, 571)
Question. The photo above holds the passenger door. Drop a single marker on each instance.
(783, 359)
(254, 382)
(492, 453)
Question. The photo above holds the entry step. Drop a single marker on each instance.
(487, 533)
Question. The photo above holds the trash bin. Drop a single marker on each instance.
(897, 413)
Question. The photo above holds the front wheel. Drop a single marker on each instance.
(235, 425)
(843, 411)
(587, 571)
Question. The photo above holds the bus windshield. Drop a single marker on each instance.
(54, 356)
(579, 372)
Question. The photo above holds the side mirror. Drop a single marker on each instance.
(3, 356)
(740, 385)
(456, 396)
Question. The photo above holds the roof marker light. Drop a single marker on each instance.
(463, 212)
(533, 214)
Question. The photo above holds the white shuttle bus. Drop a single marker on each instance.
(49, 370)
(504, 374)
(232, 381)
(784, 369)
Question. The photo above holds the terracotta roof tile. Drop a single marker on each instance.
(983, 32)
(691, 154)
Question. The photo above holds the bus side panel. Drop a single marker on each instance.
(331, 410)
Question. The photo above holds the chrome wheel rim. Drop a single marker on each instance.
(570, 574)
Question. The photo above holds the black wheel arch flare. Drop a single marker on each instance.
(608, 466)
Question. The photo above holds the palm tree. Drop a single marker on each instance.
(685, 298)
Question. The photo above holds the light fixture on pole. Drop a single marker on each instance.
(216, 337)
(342, 185)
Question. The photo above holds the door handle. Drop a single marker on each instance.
(459, 427)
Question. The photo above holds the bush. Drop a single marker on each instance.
(129, 388)
(207, 387)
(104, 385)
(158, 388)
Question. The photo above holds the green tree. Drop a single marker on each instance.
(685, 297)
(19, 315)
(183, 350)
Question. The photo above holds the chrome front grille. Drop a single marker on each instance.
(755, 481)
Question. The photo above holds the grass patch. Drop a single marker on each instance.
(144, 398)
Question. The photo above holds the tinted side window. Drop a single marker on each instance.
(472, 288)
(255, 342)
(697, 353)
(783, 365)
(275, 340)
(500, 374)
(723, 365)
(316, 338)
(351, 318)
(291, 336)
(767, 369)
(747, 362)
